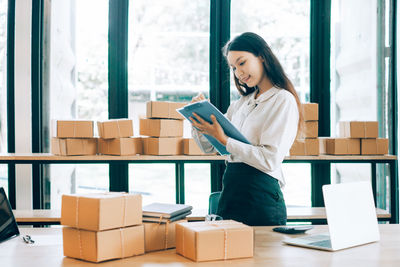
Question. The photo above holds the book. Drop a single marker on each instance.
(205, 109)
(165, 210)
(164, 220)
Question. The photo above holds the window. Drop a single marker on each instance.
(79, 85)
(3, 90)
(168, 60)
(285, 26)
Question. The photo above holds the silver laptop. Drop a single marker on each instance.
(351, 216)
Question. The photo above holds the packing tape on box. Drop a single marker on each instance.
(165, 232)
(119, 129)
(121, 233)
(225, 239)
(106, 193)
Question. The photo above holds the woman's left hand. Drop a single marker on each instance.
(214, 129)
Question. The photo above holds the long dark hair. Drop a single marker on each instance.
(255, 44)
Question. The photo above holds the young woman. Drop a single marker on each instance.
(268, 115)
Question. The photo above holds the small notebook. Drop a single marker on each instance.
(165, 210)
(164, 220)
(205, 109)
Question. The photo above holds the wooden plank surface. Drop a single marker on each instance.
(268, 251)
(50, 157)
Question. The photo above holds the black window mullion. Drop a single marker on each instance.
(11, 99)
(219, 70)
(36, 100)
(320, 87)
(118, 81)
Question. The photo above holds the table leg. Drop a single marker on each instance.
(180, 182)
(373, 181)
(394, 192)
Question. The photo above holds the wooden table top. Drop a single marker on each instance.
(51, 157)
(269, 251)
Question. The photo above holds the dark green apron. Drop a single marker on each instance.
(251, 197)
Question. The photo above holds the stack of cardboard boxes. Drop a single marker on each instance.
(73, 138)
(105, 226)
(164, 127)
(115, 138)
(364, 135)
(355, 137)
(102, 227)
(307, 143)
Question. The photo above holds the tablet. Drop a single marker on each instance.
(205, 109)
(8, 225)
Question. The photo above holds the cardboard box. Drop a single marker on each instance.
(72, 129)
(305, 147)
(159, 236)
(309, 130)
(115, 128)
(121, 146)
(358, 129)
(73, 146)
(214, 240)
(310, 111)
(343, 146)
(101, 211)
(161, 127)
(162, 146)
(105, 245)
(379, 146)
(190, 147)
(322, 145)
(163, 109)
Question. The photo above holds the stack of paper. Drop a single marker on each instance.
(164, 212)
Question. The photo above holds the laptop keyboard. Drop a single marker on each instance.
(323, 243)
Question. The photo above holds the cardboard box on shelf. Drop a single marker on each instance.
(101, 211)
(309, 130)
(305, 147)
(162, 146)
(214, 240)
(164, 109)
(358, 129)
(342, 146)
(159, 236)
(322, 144)
(379, 146)
(105, 245)
(310, 111)
(121, 146)
(73, 146)
(161, 127)
(190, 147)
(72, 129)
(116, 128)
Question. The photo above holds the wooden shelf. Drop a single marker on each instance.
(50, 157)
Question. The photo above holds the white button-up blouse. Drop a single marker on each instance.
(269, 123)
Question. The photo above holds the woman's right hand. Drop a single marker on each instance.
(197, 98)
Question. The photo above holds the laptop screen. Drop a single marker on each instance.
(8, 225)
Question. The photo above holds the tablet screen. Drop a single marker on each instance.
(8, 225)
